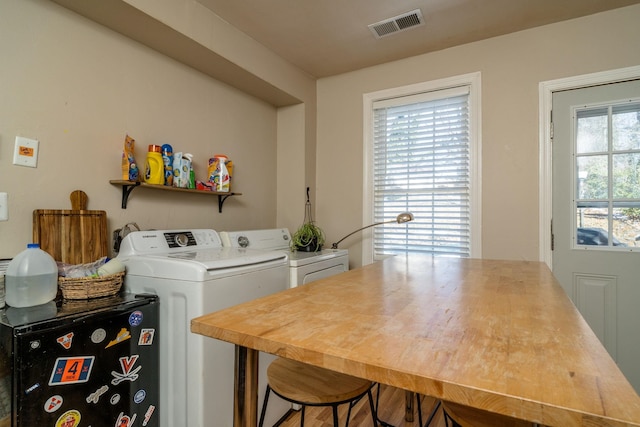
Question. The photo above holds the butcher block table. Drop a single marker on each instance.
(495, 335)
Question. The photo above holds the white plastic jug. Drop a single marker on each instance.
(31, 278)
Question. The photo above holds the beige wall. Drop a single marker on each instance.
(512, 66)
(78, 88)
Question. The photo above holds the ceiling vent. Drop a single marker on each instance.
(396, 24)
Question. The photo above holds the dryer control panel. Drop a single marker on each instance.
(269, 239)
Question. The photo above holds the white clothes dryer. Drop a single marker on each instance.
(193, 274)
(304, 267)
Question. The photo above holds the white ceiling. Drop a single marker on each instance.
(328, 37)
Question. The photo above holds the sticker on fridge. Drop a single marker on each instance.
(125, 420)
(139, 396)
(128, 373)
(147, 415)
(95, 396)
(122, 336)
(146, 336)
(135, 318)
(71, 370)
(98, 336)
(69, 419)
(66, 340)
(53, 403)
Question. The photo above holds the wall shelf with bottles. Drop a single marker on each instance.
(128, 186)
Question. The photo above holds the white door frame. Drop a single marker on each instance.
(545, 185)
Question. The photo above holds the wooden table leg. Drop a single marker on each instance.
(245, 402)
(408, 406)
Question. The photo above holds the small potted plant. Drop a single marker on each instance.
(308, 237)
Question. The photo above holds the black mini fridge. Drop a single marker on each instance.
(72, 363)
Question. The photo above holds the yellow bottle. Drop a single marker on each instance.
(154, 172)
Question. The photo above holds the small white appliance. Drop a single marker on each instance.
(193, 274)
(304, 267)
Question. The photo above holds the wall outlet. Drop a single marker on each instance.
(4, 207)
(26, 152)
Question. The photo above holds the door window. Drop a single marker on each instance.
(607, 176)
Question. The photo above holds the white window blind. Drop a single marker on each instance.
(421, 160)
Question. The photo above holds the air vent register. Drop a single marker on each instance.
(397, 24)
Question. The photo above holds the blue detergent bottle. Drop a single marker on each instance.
(167, 159)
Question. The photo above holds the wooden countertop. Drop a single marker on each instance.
(495, 335)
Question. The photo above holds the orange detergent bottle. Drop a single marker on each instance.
(220, 168)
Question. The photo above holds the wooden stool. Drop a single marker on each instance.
(465, 416)
(309, 385)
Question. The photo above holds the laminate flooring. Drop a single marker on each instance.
(391, 410)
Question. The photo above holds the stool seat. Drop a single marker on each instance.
(311, 385)
(465, 416)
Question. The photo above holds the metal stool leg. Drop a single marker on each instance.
(264, 406)
(448, 418)
(431, 415)
(351, 405)
(377, 405)
(374, 410)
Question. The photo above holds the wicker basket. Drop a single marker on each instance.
(90, 287)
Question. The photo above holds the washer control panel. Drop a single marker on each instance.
(168, 241)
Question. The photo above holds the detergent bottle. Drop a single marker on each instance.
(154, 173)
(225, 178)
(167, 159)
(219, 173)
(189, 173)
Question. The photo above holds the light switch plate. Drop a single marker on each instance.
(4, 207)
(26, 152)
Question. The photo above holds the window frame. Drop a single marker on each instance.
(473, 81)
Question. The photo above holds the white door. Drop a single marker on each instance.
(596, 212)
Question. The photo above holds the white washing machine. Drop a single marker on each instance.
(193, 274)
(304, 267)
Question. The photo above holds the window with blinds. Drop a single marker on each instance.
(421, 164)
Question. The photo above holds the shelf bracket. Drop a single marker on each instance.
(221, 200)
(126, 190)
